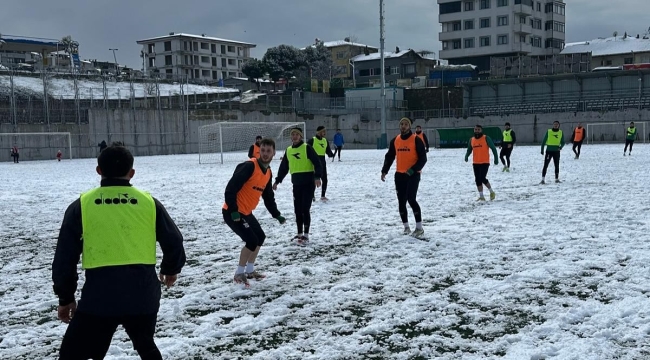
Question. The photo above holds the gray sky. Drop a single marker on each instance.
(100, 25)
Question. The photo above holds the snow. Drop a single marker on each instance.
(609, 46)
(375, 56)
(94, 89)
(198, 37)
(545, 271)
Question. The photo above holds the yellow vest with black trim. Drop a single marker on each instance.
(298, 160)
(119, 227)
(320, 146)
(507, 136)
(552, 139)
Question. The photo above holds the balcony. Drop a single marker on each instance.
(522, 29)
(521, 9)
(450, 35)
(524, 48)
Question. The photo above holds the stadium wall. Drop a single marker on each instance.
(152, 132)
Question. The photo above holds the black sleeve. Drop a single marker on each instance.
(514, 137)
(310, 142)
(426, 141)
(251, 151)
(269, 199)
(315, 159)
(242, 173)
(422, 154)
(283, 170)
(389, 158)
(67, 254)
(170, 240)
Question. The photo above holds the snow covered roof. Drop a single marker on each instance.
(376, 56)
(455, 67)
(195, 36)
(246, 79)
(329, 44)
(30, 40)
(609, 46)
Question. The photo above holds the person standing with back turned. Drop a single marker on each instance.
(509, 140)
(304, 165)
(577, 138)
(114, 228)
(554, 142)
(411, 155)
(338, 142)
(322, 148)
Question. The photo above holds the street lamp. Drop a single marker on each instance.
(117, 68)
(640, 92)
(354, 78)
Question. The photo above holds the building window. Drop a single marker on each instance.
(469, 24)
(628, 60)
(456, 26)
(213, 49)
(195, 47)
(205, 59)
(558, 8)
(539, 6)
(536, 23)
(449, 8)
(502, 20)
(364, 72)
(224, 75)
(232, 62)
(456, 44)
(502, 39)
(239, 64)
(536, 41)
(554, 43)
(394, 70)
(445, 45)
(215, 75)
(187, 60)
(196, 59)
(410, 68)
(522, 20)
(151, 48)
(469, 5)
(214, 61)
(340, 55)
(169, 71)
(152, 62)
(205, 73)
(168, 46)
(168, 60)
(501, 3)
(205, 46)
(484, 41)
(231, 49)
(485, 4)
(485, 23)
(223, 49)
(522, 39)
(469, 43)
(185, 46)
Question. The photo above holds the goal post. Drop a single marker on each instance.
(612, 132)
(229, 141)
(37, 145)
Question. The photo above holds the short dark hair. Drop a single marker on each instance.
(115, 161)
(556, 122)
(258, 137)
(321, 127)
(418, 126)
(507, 124)
(338, 129)
(268, 141)
(479, 126)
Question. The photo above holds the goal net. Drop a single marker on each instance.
(612, 132)
(229, 141)
(36, 146)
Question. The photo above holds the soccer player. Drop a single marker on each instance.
(250, 180)
(422, 136)
(304, 165)
(411, 155)
(577, 138)
(114, 228)
(479, 146)
(509, 140)
(15, 154)
(630, 136)
(338, 142)
(59, 155)
(321, 146)
(554, 142)
(254, 150)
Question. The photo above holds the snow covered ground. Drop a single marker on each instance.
(556, 271)
(94, 89)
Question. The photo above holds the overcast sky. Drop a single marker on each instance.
(100, 25)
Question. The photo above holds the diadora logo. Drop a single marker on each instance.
(404, 149)
(322, 145)
(121, 199)
(296, 155)
(556, 136)
(258, 188)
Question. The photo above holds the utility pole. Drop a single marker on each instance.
(383, 141)
(117, 68)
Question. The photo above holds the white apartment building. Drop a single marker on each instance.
(196, 56)
(474, 30)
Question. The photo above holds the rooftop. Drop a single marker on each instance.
(609, 46)
(179, 35)
(329, 44)
(387, 55)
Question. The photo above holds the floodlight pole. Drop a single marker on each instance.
(383, 141)
(117, 68)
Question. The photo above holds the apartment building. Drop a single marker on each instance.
(197, 56)
(474, 30)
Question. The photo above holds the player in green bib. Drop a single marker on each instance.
(630, 136)
(322, 148)
(554, 142)
(114, 229)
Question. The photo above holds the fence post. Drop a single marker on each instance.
(45, 100)
(12, 101)
(119, 99)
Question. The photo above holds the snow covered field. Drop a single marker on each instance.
(556, 271)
